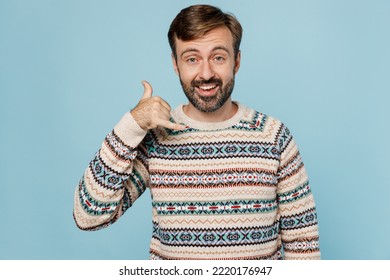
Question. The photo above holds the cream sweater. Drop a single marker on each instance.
(236, 189)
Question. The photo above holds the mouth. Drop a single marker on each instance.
(207, 89)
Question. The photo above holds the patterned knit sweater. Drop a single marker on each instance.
(230, 190)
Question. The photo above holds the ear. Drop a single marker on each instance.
(237, 62)
(175, 64)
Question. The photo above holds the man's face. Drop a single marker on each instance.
(206, 68)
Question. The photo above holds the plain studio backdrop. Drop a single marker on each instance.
(69, 70)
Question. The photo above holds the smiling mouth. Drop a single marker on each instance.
(207, 89)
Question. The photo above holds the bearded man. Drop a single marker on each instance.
(227, 181)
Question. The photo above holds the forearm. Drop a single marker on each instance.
(114, 179)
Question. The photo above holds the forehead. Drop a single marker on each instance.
(220, 36)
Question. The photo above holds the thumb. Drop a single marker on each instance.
(148, 90)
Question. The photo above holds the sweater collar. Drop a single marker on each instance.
(180, 117)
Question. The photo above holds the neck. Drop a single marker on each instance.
(227, 111)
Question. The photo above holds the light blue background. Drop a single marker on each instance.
(70, 69)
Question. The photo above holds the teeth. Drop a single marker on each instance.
(208, 87)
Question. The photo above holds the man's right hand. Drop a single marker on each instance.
(152, 111)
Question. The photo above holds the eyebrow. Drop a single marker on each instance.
(196, 50)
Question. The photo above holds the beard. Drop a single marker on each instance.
(208, 104)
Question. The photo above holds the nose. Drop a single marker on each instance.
(206, 71)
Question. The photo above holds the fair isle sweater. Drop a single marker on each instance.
(236, 189)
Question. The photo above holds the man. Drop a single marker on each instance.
(227, 182)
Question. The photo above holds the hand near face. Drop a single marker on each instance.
(152, 111)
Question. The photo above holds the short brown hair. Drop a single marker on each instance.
(195, 21)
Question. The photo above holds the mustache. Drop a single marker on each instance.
(215, 81)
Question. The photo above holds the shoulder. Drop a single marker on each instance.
(261, 121)
(269, 129)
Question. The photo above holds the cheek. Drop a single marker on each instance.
(187, 74)
(227, 75)
(225, 72)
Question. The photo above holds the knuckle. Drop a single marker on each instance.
(156, 99)
(155, 106)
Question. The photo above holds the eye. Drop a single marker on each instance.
(191, 60)
(219, 58)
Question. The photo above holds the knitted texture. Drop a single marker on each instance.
(231, 190)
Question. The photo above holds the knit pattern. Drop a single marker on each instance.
(231, 190)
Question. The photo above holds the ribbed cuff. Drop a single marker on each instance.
(129, 131)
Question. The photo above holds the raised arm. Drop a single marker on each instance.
(114, 179)
(118, 174)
